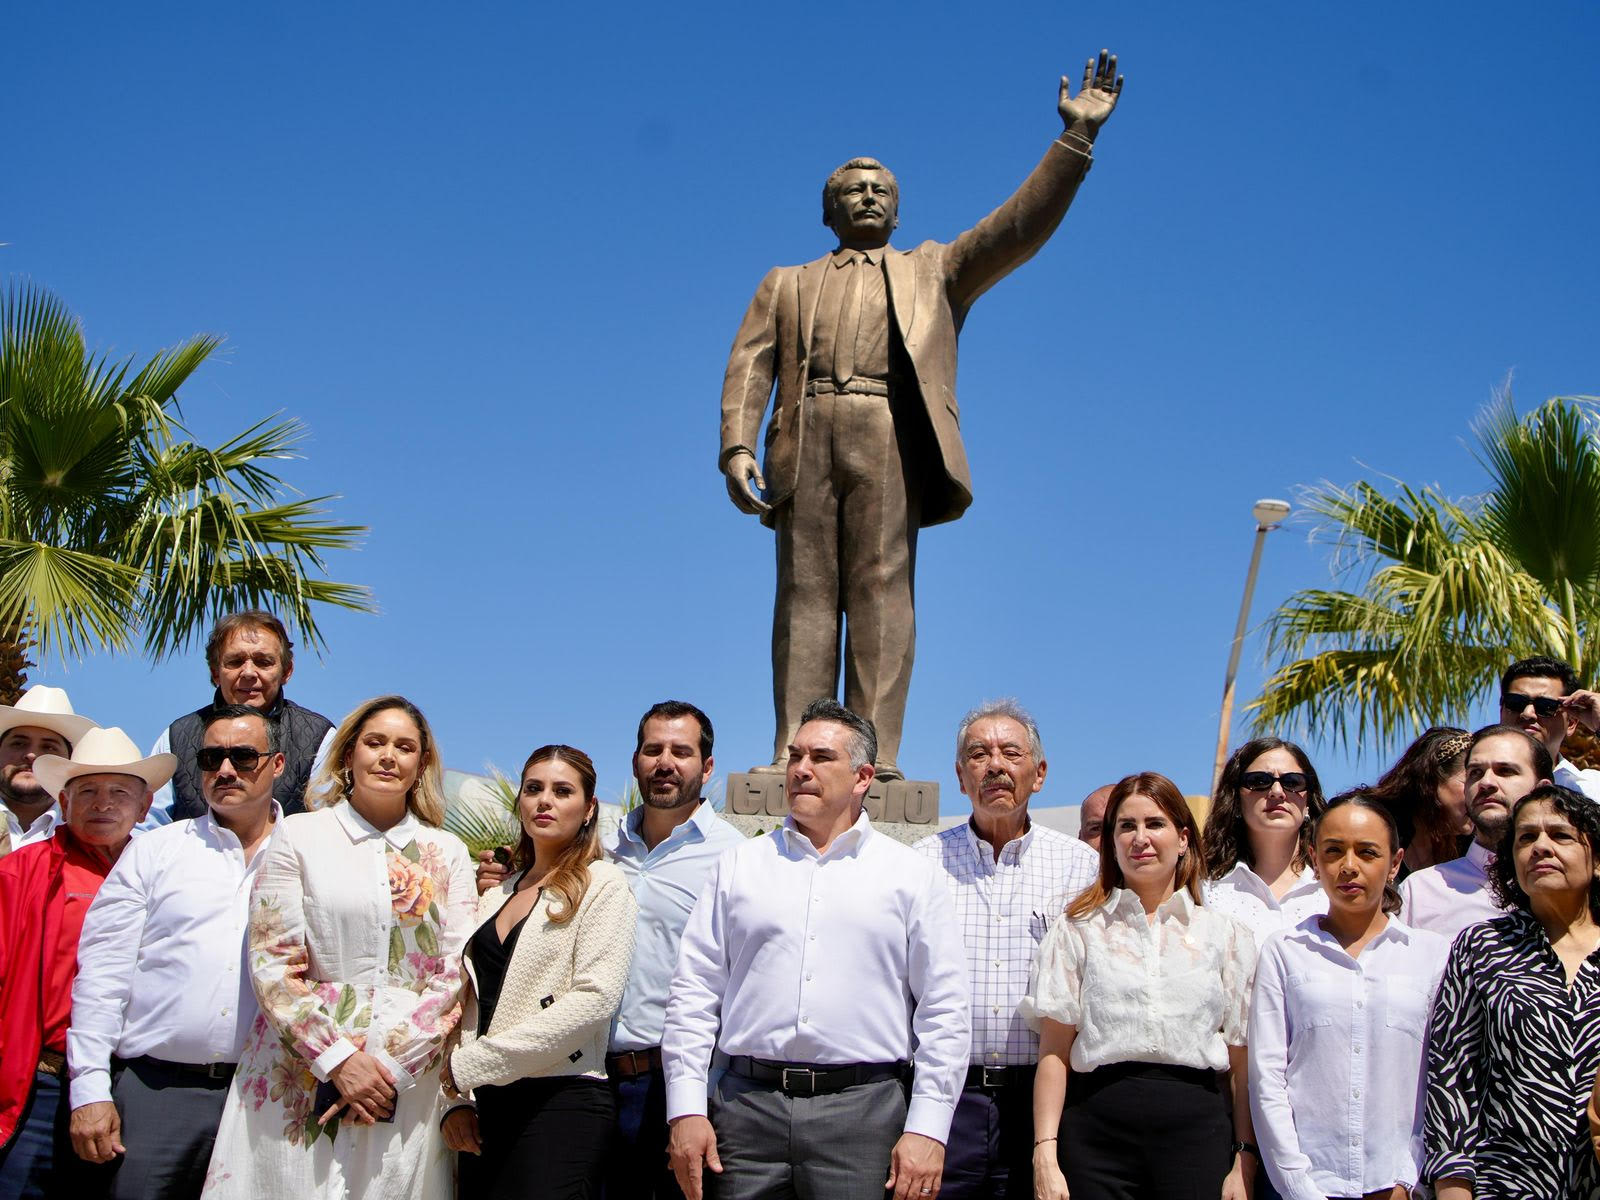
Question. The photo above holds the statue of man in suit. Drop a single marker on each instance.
(864, 444)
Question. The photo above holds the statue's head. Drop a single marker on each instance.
(861, 202)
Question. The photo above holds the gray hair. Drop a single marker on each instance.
(863, 737)
(1003, 707)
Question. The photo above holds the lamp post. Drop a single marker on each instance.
(1269, 514)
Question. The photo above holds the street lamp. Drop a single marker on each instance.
(1269, 514)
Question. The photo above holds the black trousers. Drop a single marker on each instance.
(543, 1139)
(1145, 1131)
(169, 1123)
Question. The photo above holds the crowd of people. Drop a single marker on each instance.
(252, 963)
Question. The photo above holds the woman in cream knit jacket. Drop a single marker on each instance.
(546, 967)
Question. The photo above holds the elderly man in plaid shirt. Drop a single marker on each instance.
(1010, 879)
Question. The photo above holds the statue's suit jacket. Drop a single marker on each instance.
(930, 289)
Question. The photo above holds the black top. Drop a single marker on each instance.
(489, 958)
(1512, 1054)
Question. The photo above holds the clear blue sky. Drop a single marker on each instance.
(494, 257)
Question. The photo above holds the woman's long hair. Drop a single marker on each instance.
(1369, 800)
(1166, 796)
(1410, 788)
(332, 783)
(569, 879)
(1227, 840)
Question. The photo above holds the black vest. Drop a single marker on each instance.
(300, 732)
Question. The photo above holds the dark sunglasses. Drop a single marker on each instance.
(243, 758)
(1262, 781)
(1545, 706)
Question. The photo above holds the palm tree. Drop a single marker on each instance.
(1444, 593)
(116, 526)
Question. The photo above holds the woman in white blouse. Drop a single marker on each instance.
(1257, 845)
(546, 969)
(1337, 1023)
(357, 922)
(1140, 996)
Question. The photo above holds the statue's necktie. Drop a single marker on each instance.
(844, 339)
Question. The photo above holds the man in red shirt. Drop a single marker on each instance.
(105, 789)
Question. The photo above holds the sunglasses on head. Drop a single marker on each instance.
(243, 758)
(1262, 781)
(1545, 706)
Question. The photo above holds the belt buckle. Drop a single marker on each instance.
(808, 1073)
(994, 1077)
(218, 1070)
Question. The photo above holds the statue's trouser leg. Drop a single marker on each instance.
(880, 511)
(807, 606)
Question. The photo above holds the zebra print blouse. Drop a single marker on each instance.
(1512, 1056)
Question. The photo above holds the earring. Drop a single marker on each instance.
(347, 781)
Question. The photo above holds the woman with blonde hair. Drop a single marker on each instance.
(357, 923)
(1140, 996)
(532, 1110)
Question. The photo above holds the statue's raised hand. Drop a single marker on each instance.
(1087, 111)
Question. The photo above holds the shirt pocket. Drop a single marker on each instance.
(1311, 1004)
(1407, 1002)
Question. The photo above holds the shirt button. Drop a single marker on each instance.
(808, 976)
(1360, 1003)
(1358, 1049)
(997, 1008)
(813, 937)
(805, 1020)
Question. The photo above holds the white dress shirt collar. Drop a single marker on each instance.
(1244, 878)
(219, 835)
(41, 829)
(399, 835)
(1310, 932)
(1479, 855)
(1124, 904)
(796, 844)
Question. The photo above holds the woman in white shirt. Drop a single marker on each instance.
(1140, 996)
(1337, 1023)
(357, 922)
(1257, 845)
(546, 970)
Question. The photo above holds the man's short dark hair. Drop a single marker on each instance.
(1543, 765)
(671, 710)
(237, 712)
(1540, 666)
(255, 618)
(863, 737)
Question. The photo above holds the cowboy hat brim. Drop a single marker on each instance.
(54, 772)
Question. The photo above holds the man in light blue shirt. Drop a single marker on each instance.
(667, 847)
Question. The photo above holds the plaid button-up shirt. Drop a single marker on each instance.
(1005, 907)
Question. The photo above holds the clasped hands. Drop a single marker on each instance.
(366, 1091)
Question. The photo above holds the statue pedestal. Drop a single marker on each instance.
(904, 809)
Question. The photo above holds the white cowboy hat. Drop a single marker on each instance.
(48, 708)
(103, 752)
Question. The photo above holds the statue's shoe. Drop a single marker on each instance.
(886, 773)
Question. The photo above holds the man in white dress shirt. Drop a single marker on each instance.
(824, 960)
(666, 847)
(1541, 697)
(1504, 764)
(41, 722)
(1009, 878)
(163, 1001)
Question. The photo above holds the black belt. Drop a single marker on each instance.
(990, 1078)
(220, 1072)
(810, 1079)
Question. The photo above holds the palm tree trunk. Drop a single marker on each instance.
(14, 664)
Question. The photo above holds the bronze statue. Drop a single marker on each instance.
(864, 445)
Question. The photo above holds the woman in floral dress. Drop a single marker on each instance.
(356, 929)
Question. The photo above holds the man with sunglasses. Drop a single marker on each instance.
(1504, 764)
(163, 1000)
(1541, 696)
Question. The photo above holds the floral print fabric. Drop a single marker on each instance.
(355, 944)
